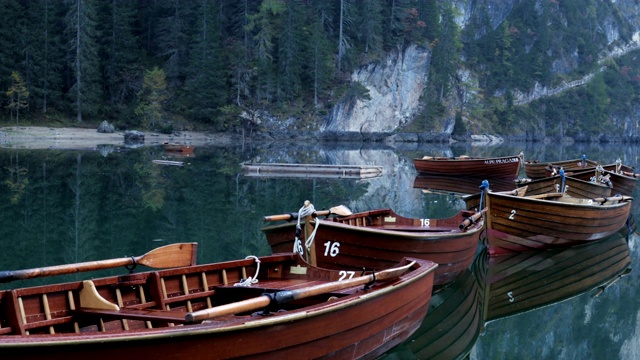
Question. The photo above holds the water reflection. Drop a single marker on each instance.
(60, 207)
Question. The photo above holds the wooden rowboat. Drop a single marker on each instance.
(552, 220)
(621, 182)
(286, 309)
(517, 283)
(536, 169)
(178, 148)
(376, 239)
(484, 167)
(560, 183)
(452, 326)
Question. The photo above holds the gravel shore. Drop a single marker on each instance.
(35, 137)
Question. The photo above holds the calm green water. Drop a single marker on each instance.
(65, 206)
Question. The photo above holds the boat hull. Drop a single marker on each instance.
(352, 323)
(355, 247)
(499, 167)
(535, 169)
(519, 223)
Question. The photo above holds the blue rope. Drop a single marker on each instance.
(564, 179)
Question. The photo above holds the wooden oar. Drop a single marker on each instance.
(290, 295)
(337, 210)
(612, 199)
(174, 255)
(471, 220)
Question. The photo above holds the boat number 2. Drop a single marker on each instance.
(424, 222)
(513, 215)
(331, 249)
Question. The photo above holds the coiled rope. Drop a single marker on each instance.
(306, 210)
(250, 280)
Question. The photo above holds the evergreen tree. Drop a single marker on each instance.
(121, 52)
(17, 94)
(173, 38)
(290, 61)
(12, 22)
(44, 54)
(370, 29)
(205, 85)
(153, 94)
(85, 90)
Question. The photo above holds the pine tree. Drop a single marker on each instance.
(86, 89)
(17, 94)
(153, 94)
(205, 85)
(44, 55)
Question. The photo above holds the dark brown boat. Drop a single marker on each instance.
(377, 239)
(621, 182)
(480, 167)
(452, 326)
(517, 283)
(552, 220)
(536, 169)
(560, 183)
(285, 309)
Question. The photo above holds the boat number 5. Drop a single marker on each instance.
(513, 214)
(424, 222)
(331, 249)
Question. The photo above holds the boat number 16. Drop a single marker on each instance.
(331, 249)
(424, 222)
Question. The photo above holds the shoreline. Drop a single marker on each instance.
(43, 137)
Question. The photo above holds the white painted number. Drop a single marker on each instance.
(424, 222)
(346, 275)
(510, 294)
(513, 214)
(331, 249)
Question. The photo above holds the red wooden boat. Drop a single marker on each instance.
(376, 239)
(538, 222)
(483, 167)
(290, 310)
(517, 283)
(536, 169)
(178, 148)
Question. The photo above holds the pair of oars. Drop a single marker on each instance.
(612, 199)
(284, 296)
(340, 210)
(174, 255)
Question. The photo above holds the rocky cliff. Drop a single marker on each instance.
(396, 85)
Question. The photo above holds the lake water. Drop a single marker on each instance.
(66, 206)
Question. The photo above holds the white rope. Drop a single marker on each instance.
(297, 244)
(250, 280)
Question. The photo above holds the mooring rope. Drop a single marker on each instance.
(250, 280)
(304, 212)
